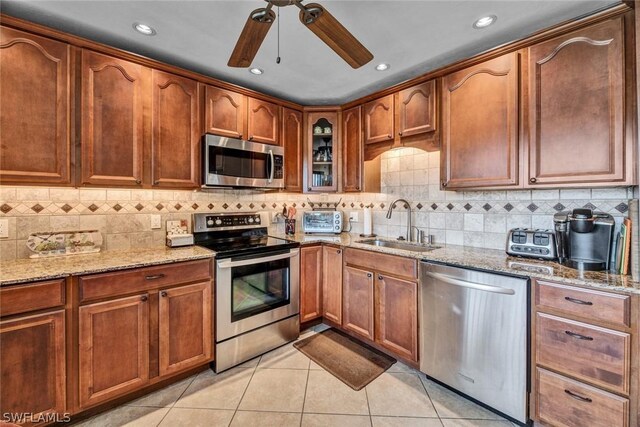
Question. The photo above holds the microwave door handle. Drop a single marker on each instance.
(470, 285)
(231, 264)
(272, 168)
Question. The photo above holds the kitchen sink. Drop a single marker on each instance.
(407, 246)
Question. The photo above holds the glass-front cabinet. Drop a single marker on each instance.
(322, 151)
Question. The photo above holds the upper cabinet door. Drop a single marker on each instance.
(378, 120)
(352, 149)
(225, 112)
(293, 149)
(113, 93)
(480, 119)
(34, 114)
(417, 109)
(576, 106)
(263, 122)
(176, 131)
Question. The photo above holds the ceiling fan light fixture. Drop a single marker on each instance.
(145, 29)
(484, 21)
(257, 71)
(383, 66)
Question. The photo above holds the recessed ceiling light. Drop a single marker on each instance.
(256, 71)
(383, 67)
(485, 21)
(145, 29)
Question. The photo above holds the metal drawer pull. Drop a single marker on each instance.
(577, 396)
(580, 337)
(477, 286)
(163, 293)
(154, 277)
(144, 298)
(578, 301)
(369, 275)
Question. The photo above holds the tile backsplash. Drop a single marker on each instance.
(470, 218)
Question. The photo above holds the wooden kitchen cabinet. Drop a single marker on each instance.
(379, 120)
(310, 283)
(113, 120)
(293, 143)
(352, 150)
(225, 112)
(416, 108)
(263, 122)
(576, 106)
(33, 364)
(185, 323)
(175, 143)
(332, 284)
(358, 302)
(480, 138)
(397, 321)
(113, 348)
(36, 80)
(322, 151)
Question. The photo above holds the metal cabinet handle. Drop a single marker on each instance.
(533, 180)
(144, 298)
(154, 277)
(309, 188)
(578, 336)
(444, 183)
(578, 397)
(156, 182)
(380, 277)
(338, 251)
(251, 137)
(138, 181)
(399, 133)
(369, 275)
(357, 188)
(389, 136)
(578, 301)
(163, 293)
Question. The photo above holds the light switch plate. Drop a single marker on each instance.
(4, 228)
(156, 222)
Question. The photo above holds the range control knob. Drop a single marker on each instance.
(218, 221)
(257, 219)
(250, 220)
(209, 222)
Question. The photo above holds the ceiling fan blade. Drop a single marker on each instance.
(335, 35)
(252, 36)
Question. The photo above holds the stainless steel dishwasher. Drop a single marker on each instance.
(475, 335)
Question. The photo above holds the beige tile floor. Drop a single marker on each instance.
(284, 388)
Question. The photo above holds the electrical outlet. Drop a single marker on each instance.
(274, 216)
(354, 217)
(156, 222)
(4, 228)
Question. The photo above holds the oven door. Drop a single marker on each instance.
(237, 163)
(256, 290)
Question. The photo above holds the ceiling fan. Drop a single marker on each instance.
(313, 16)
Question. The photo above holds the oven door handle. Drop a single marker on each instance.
(273, 167)
(230, 264)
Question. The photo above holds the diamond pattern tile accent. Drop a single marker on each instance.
(304, 204)
(450, 206)
(558, 207)
(264, 205)
(508, 207)
(419, 206)
(225, 206)
(467, 207)
(382, 205)
(66, 208)
(159, 206)
(532, 207)
(93, 207)
(362, 205)
(294, 205)
(139, 207)
(590, 206)
(194, 206)
(238, 206)
(117, 207)
(487, 207)
(211, 206)
(434, 206)
(622, 207)
(37, 208)
(273, 205)
(344, 205)
(178, 206)
(251, 205)
(5, 208)
(353, 205)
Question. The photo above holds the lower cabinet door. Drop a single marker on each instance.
(185, 338)
(332, 284)
(397, 307)
(357, 314)
(310, 283)
(32, 361)
(114, 348)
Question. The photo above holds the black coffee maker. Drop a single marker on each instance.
(583, 239)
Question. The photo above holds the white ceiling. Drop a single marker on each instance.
(413, 36)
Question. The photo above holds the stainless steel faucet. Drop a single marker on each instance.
(409, 237)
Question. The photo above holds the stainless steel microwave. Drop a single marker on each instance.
(230, 162)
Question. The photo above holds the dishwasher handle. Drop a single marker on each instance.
(477, 286)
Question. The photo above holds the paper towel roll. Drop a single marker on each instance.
(368, 222)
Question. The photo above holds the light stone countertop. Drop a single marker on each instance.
(488, 260)
(28, 270)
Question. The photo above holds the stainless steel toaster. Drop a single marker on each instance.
(531, 243)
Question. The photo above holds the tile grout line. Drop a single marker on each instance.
(304, 399)
(245, 391)
(429, 396)
(179, 397)
(366, 395)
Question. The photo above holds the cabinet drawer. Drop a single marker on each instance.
(36, 296)
(591, 353)
(395, 265)
(587, 303)
(119, 283)
(563, 402)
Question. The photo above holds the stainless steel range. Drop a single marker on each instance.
(257, 286)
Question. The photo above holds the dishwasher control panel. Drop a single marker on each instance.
(531, 243)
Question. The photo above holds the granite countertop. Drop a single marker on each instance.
(28, 270)
(490, 260)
